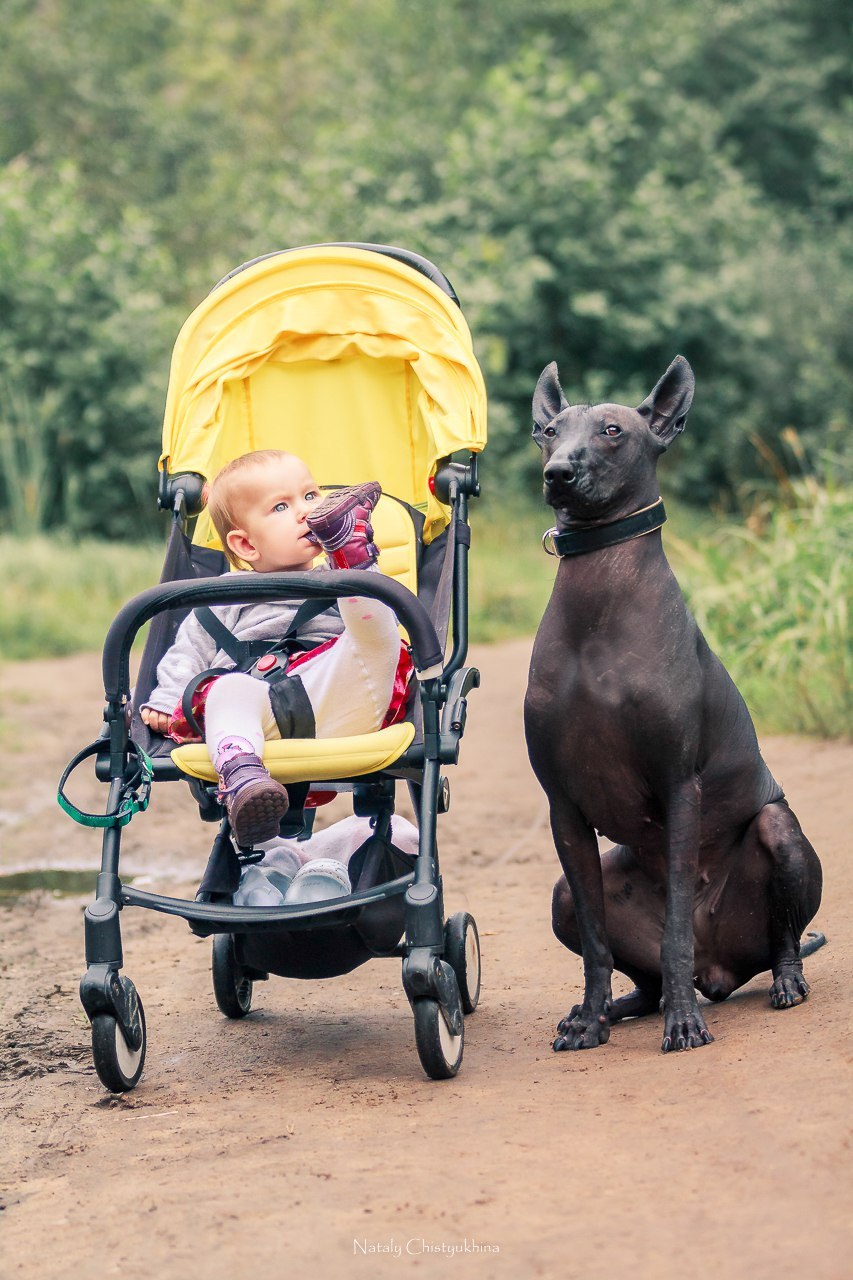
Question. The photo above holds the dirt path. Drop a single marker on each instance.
(306, 1140)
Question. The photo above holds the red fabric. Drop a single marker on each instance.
(400, 694)
(180, 731)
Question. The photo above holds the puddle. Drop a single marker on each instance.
(62, 884)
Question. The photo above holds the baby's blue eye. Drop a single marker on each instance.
(311, 495)
(280, 506)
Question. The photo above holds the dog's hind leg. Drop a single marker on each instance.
(770, 895)
(794, 890)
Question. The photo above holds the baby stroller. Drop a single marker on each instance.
(357, 358)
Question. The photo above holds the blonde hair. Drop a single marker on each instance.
(222, 494)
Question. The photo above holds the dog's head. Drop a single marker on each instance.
(599, 460)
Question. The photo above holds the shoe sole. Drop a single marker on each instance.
(257, 811)
(335, 506)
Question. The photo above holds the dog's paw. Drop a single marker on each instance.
(684, 1031)
(583, 1029)
(789, 987)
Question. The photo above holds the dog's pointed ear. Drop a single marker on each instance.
(548, 398)
(666, 407)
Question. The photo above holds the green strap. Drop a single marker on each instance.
(135, 794)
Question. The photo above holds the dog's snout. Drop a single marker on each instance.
(560, 471)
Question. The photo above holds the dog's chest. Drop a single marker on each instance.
(595, 715)
(581, 746)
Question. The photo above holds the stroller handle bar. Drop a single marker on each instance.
(427, 654)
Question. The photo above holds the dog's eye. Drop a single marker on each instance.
(612, 430)
(550, 432)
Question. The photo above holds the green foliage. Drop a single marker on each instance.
(605, 184)
(80, 357)
(24, 459)
(608, 227)
(59, 597)
(772, 598)
(511, 576)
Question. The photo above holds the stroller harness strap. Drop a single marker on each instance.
(245, 654)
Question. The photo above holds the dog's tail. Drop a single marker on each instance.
(815, 942)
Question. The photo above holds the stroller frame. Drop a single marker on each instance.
(441, 964)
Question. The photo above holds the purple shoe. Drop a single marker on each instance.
(254, 802)
(341, 524)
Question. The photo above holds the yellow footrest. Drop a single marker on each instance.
(312, 759)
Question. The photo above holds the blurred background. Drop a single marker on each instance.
(605, 182)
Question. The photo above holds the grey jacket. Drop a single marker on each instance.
(195, 650)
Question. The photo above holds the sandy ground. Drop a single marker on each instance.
(306, 1140)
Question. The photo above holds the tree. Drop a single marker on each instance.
(605, 184)
(81, 355)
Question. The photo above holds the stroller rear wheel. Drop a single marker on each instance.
(232, 986)
(117, 1064)
(439, 1050)
(462, 953)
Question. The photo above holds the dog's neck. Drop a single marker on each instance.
(587, 537)
(611, 592)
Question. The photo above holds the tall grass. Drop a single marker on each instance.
(511, 576)
(772, 597)
(24, 465)
(58, 597)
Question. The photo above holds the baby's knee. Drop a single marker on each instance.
(235, 685)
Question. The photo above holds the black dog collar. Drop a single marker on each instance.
(578, 542)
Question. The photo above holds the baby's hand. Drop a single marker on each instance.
(157, 721)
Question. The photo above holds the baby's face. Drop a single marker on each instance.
(271, 506)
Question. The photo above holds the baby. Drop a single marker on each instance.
(271, 517)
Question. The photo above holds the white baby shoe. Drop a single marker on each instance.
(318, 881)
(257, 890)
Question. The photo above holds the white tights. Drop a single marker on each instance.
(349, 686)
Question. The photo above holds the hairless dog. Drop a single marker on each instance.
(636, 732)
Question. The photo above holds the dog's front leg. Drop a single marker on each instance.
(581, 912)
(684, 1027)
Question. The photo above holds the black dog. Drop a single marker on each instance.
(636, 731)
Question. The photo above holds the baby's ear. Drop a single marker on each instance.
(240, 545)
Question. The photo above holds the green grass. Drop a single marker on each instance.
(771, 594)
(772, 597)
(511, 576)
(59, 597)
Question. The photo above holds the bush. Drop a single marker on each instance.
(83, 361)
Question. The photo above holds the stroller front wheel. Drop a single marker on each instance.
(439, 1050)
(232, 987)
(117, 1064)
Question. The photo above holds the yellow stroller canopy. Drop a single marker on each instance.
(345, 356)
